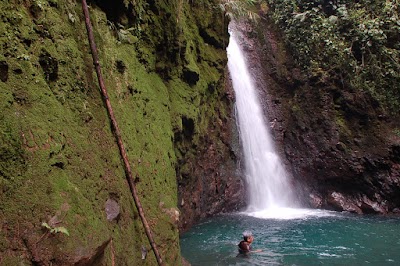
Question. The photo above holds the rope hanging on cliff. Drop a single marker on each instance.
(117, 133)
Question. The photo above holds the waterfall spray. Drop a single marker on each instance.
(267, 181)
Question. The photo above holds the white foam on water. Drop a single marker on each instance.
(323, 254)
(282, 213)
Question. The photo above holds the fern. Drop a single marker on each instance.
(55, 230)
(239, 8)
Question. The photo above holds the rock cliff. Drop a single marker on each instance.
(60, 168)
(340, 145)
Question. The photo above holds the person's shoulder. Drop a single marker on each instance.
(243, 245)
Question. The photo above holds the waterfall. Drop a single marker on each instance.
(267, 181)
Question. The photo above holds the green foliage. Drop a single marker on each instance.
(56, 229)
(357, 43)
(239, 8)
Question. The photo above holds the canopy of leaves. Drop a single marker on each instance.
(357, 42)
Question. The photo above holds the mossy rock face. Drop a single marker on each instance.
(59, 159)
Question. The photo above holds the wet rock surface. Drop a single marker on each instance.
(210, 181)
(340, 145)
(207, 144)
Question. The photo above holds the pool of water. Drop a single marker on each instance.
(319, 238)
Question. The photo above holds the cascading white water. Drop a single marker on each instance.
(268, 184)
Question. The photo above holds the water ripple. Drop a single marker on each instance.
(340, 239)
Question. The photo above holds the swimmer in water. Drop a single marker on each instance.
(245, 244)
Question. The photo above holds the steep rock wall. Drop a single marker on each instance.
(340, 146)
(163, 64)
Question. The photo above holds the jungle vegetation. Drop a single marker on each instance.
(355, 44)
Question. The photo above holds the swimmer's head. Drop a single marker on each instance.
(247, 236)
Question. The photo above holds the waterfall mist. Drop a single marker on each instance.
(268, 184)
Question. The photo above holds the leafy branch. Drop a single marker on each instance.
(55, 230)
(52, 229)
(239, 8)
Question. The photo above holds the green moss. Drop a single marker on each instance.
(342, 126)
(58, 154)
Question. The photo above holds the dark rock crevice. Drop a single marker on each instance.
(3, 71)
(117, 11)
(49, 65)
